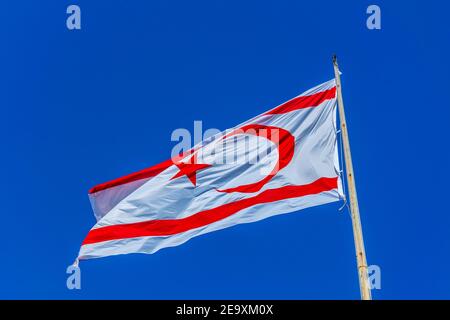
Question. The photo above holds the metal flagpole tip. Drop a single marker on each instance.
(334, 58)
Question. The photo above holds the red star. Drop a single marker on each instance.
(190, 169)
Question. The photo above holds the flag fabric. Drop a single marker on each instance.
(281, 161)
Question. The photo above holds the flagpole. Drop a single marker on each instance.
(354, 208)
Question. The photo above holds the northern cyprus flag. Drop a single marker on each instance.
(281, 161)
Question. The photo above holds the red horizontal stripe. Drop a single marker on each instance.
(203, 218)
(304, 101)
(146, 173)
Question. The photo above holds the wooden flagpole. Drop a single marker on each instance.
(354, 208)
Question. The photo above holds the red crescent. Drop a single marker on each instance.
(285, 143)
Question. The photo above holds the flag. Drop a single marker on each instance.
(281, 161)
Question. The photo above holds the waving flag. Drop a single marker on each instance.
(281, 161)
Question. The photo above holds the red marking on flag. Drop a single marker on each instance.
(285, 143)
(143, 174)
(174, 226)
(304, 102)
(190, 168)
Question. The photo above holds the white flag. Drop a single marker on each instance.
(281, 161)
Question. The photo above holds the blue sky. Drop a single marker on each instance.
(83, 107)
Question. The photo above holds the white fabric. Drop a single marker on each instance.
(161, 197)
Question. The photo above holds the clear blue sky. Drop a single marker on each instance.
(83, 107)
